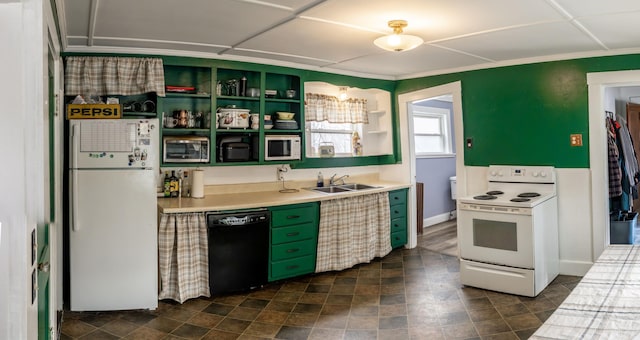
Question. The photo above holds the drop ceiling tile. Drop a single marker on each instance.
(525, 42)
(436, 19)
(76, 13)
(579, 8)
(220, 22)
(268, 58)
(420, 60)
(615, 31)
(314, 39)
(164, 45)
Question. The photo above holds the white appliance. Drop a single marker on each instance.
(508, 236)
(113, 222)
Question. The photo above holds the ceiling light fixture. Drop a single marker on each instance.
(397, 41)
(343, 93)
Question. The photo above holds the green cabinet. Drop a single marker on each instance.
(398, 215)
(293, 240)
(202, 90)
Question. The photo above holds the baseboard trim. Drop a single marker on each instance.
(427, 222)
(575, 268)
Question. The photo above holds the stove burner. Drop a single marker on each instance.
(529, 194)
(520, 199)
(495, 192)
(484, 197)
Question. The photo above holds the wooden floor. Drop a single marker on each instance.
(441, 238)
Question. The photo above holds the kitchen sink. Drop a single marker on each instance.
(343, 188)
(330, 190)
(356, 186)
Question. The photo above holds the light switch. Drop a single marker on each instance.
(469, 143)
(576, 139)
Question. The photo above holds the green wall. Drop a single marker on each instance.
(524, 114)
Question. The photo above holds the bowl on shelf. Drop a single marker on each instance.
(285, 115)
(268, 126)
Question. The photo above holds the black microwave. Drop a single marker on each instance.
(185, 149)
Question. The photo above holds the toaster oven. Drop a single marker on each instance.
(185, 149)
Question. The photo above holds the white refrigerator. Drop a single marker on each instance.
(113, 241)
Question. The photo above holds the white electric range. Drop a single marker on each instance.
(508, 235)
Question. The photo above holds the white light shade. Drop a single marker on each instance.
(397, 41)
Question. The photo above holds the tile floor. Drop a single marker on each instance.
(409, 294)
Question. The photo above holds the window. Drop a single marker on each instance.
(431, 130)
(338, 134)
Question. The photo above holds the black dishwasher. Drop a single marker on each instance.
(238, 250)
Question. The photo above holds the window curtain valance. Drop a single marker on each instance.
(320, 107)
(99, 76)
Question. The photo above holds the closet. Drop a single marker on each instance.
(624, 173)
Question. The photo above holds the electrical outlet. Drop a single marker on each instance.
(576, 139)
(279, 174)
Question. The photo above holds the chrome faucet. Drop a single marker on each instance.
(334, 181)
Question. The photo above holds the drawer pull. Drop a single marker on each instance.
(396, 211)
(295, 266)
(296, 233)
(293, 250)
(293, 216)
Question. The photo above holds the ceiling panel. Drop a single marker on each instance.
(315, 39)
(525, 42)
(282, 58)
(616, 31)
(77, 14)
(579, 8)
(220, 22)
(145, 44)
(424, 59)
(436, 19)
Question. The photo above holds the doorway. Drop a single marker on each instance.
(408, 149)
(598, 83)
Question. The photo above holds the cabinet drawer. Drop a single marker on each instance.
(293, 215)
(398, 210)
(399, 224)
(398, 239)
(293, 250)
(294, 233)
(293, 267)
(398, 197)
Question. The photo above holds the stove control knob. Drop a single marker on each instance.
(543, 174)
(493, 173)
(535, 174)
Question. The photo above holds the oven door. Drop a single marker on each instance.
(495, 234)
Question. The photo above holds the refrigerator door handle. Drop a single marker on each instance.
(74, 201)
(74, 177)
(74, 145)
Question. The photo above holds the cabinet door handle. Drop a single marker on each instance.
(296, 233)
(293, 216)
(293, 266)
(293, 250)
(396, 211)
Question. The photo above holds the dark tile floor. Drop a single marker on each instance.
(409, 294)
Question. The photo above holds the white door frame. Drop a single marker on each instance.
(598, 156)
(404, 100)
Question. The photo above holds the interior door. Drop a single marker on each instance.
(43, 253)
(633, 121)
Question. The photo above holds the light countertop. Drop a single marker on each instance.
(219, 199)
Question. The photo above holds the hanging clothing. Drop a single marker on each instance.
(615, 173)
(629, 155)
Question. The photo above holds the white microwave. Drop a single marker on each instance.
(281, 147)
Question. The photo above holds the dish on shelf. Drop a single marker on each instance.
(285, 115)
(180, 89)
(268, 126)
(270, 93)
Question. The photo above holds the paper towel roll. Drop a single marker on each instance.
(197, 184)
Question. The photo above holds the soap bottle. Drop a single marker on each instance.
(320, 182)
